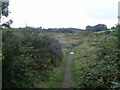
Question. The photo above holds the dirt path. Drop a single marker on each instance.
(67, 83)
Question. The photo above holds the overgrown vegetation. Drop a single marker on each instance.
(35, 59)
(96, 62)
(28, 58)
(56, 76)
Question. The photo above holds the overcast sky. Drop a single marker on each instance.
(63, 13)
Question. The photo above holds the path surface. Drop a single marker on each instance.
(67, 83)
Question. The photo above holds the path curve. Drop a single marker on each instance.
(67, 83)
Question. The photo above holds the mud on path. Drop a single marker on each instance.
(67, 83)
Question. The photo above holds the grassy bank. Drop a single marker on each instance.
(84, 57)
(95, 62)
(56, 76)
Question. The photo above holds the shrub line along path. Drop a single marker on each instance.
(67, 83)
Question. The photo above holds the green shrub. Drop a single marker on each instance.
(108, 60)
(28, 57)
(97, 68)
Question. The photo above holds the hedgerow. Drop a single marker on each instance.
(96, 62)
(28, 57)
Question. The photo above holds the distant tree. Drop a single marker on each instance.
(88, 28)
(98, 27)
(113, 27)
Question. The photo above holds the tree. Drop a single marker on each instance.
(88, 28)
(98, 27)
(113, 27)
(4, 13)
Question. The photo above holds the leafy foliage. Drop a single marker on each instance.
(28, 56)
(108, 60)
(96, 62)
(5, 12)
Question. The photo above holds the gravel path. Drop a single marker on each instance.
(67, 83)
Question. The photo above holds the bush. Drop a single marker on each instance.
(108, 61)
(100, 70)
(28, 56)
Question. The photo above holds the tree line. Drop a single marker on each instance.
(98, 27)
